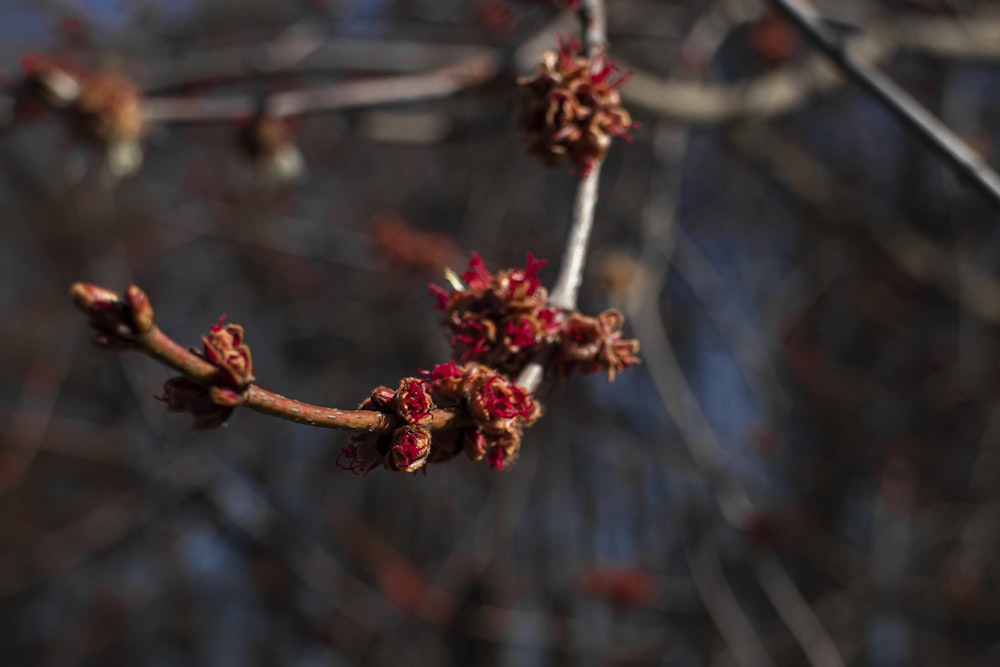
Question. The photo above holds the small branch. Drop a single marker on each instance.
(129, 325)
(343, 95)
(272, 404)
(907, 110)
(564, 294)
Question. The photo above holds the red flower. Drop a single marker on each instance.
(411, 446)
(477, 277)
(413, 402)
(225, 349)
(447, 380)
(499, 405)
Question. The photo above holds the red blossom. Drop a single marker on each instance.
(495, 457)
(225, 349)
(440, 295)
(411, 445)
(477, 277)
(524, 282)
(413, 402)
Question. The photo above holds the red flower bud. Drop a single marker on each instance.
(411, 445)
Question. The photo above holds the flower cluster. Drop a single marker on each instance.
(500, 320)
(498, 412)
(503, 319)
(570, 108)
(212, 405)
(104, 108)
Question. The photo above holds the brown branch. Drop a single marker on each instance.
(127, 324)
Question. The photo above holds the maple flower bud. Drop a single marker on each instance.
(411, 445)
(185, 395)
(413, 401)
(107, 313)
(140, 310)
(474, 443)
(362, 454)
(446, 379)
(499, 319)
(498, 405)
(381, 399)
(225, 349)
(570, 108)
(594, 344)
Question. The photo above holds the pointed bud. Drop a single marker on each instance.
(140, 309)
(88, 295)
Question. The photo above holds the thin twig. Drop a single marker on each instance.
(342, 95)
(567, 286)
(161, 347)
(914, 117)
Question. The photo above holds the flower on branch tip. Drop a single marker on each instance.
(224, 348)
(570, 108)
(118, 321)
(499, 319)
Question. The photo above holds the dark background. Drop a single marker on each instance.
(804, 471)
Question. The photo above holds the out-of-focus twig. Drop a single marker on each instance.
(342, 95)
(786, 89)
(907, 110)
(954, 275)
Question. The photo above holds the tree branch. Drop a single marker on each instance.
(907, 110)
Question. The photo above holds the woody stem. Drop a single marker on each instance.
(567, 287)
(161, 347)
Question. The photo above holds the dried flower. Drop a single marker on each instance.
(570, 108)
(225, 349)
(595, 344)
